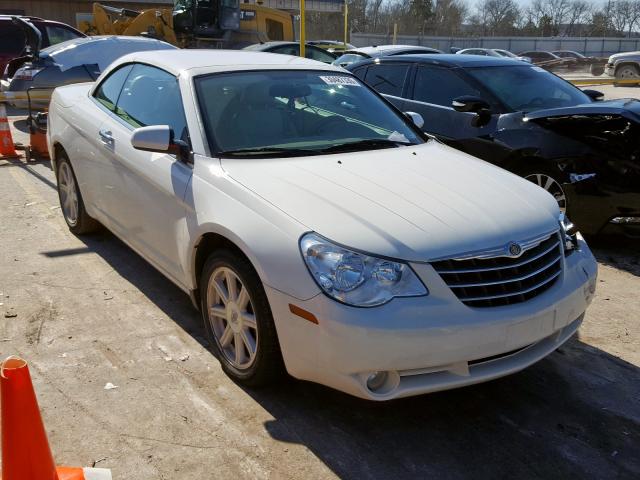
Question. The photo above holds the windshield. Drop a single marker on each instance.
(505, 53)
(296, 112)
(528, 88)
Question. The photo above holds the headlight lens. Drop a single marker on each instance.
(568, 231)
(357, 279)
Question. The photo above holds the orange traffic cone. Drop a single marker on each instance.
(25, 449)
(7, 149)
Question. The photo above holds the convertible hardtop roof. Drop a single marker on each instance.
(177, 61)
(450, 60)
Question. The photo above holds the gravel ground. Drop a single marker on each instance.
(90, 312)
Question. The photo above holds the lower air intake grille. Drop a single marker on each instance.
(502, 280)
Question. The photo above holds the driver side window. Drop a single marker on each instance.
(439, 86)
(151, 96)
(109, 90)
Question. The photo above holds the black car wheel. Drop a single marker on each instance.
(550, 184)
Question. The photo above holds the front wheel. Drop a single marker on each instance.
(238, 320)
(551, 184)
(628, 72)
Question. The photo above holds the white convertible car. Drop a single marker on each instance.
(314, 226)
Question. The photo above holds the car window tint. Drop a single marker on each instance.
(151, 96)
(287, 50)
(59, 34)
(109, 90)
(360, 72)
(440, 86)
(528, 88)
(12, 40)
(387, 79)
(348, 58)
(318, 54)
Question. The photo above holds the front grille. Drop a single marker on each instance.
(501, 280)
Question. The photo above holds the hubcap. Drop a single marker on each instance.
(232, 318)
(68, 194)
(551, 186)
(628, 73)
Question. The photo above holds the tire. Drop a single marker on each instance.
(628, 72)
(71, 203)
(549, 181)
(596, 70)
(230, 330)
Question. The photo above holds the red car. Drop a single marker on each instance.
(13, 39)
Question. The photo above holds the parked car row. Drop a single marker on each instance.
(316, 226)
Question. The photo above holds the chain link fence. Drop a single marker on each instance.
(592, 47)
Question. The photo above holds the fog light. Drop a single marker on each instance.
(376, 380)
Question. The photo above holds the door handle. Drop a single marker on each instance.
(106, 137)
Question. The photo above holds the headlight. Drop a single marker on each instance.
(357, 279)
(568, 231)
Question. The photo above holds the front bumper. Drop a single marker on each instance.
(431, 343)
(610, 69)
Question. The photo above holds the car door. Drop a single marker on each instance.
(434, 89)
(389, 79)
(154, 184)
(99, 181)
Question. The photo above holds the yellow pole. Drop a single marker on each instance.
(346, 23)
(395, 33)
(302, 30)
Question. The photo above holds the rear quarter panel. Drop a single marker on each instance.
(74, 121)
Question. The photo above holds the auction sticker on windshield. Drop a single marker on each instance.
(335, 80)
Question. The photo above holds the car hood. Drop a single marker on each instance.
(612, 126)
(626, 107)
(413, 203)
(623, 55)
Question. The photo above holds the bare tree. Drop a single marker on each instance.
(496, 17)
(634, 16)
(579, 13)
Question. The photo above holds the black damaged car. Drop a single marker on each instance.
(584, 151)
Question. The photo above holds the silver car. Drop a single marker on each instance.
(624, 66)
(73, 61)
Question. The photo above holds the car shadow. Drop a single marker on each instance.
(617, 251)
(575, 414)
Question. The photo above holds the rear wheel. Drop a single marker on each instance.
(551, 184)
(238, 320)
(73, 210)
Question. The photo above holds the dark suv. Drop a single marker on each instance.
(13, 40)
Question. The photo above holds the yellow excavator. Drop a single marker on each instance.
(195, 23)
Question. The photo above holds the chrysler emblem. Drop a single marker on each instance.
(514, 249)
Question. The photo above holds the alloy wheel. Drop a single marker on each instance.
(551, 186)
(68, 194)
(232, 318)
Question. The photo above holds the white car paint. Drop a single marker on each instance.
(414, 204)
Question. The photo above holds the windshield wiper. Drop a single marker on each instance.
(371, 143)
(269, 152)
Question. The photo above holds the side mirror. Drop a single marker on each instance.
(471, 104)
(159, 138)
(416, 118)
(594, 95)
